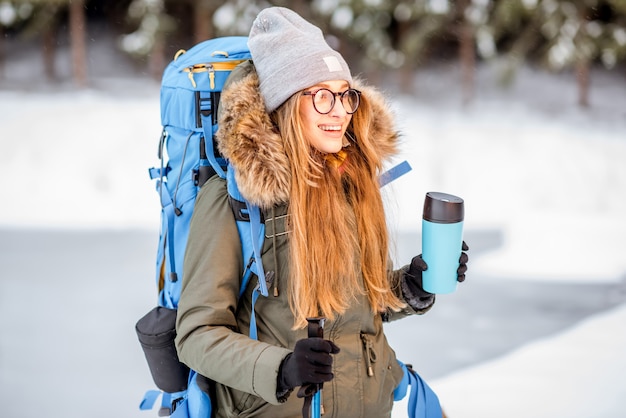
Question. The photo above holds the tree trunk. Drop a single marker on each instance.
(583, 62)
(407, 70)
(77, 40)
(467, 54)
(2, 53)
(582, 77)
(157, 58)
(303, 8)
(49, 50)
(203, 19)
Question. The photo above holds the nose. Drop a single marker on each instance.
(338, 110)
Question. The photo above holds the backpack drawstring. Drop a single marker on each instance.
(274, 252)
(180, 174)
(162, 170)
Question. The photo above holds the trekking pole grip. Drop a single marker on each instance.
(316, 327)
(316, 330)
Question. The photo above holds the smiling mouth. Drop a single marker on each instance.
(330, 128)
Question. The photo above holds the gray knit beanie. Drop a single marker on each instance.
(290, 54)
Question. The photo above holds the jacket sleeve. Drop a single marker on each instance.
(207, 339)
(396, 278)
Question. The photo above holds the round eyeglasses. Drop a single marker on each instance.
(324, 100)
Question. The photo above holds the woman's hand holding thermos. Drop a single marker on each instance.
(413, 276)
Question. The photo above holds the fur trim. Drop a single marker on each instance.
(247, 137)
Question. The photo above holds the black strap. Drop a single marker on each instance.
(204, 172)
(306, 407)
(240, 210)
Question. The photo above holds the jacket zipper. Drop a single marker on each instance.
(370, 354)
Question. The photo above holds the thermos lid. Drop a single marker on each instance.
(443, 208)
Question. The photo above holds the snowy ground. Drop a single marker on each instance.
(545, 189)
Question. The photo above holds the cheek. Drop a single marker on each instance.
(309, 120)
(307, 115)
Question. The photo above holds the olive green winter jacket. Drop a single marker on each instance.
(213, 322)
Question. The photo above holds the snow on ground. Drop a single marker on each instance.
(78, 159)
(576, 374)
(527, 161)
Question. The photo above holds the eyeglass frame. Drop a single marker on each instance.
(333, 94)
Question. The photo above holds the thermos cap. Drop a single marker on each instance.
(443, 208)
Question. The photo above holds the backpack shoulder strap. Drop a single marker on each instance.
(208, 117)
(251, 228)
(423, 402)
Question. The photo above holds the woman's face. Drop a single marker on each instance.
(325, 132)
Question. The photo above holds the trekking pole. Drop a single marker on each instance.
(316, 329)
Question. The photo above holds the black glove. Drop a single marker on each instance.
(310, 362)
(413, 277)
(462, 263)
(411, 286)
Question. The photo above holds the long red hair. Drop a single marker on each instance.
(339, 240)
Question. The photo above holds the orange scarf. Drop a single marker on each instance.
(337, 160)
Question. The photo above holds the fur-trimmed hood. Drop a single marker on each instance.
(249, 140)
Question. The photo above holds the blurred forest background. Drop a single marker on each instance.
(378, 37)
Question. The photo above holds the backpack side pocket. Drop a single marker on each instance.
(156, 332)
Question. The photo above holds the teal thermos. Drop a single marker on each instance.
(442, 238)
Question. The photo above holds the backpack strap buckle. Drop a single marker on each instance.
(277, 226)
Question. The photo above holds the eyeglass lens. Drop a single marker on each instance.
(324, 100)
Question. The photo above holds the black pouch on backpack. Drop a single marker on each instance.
(156, 332)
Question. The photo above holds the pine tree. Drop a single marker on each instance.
(11, 15)
(562, 34)
(42, 18)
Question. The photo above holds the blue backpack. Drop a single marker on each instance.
(190, 94)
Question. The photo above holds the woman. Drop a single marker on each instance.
(308, 143)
